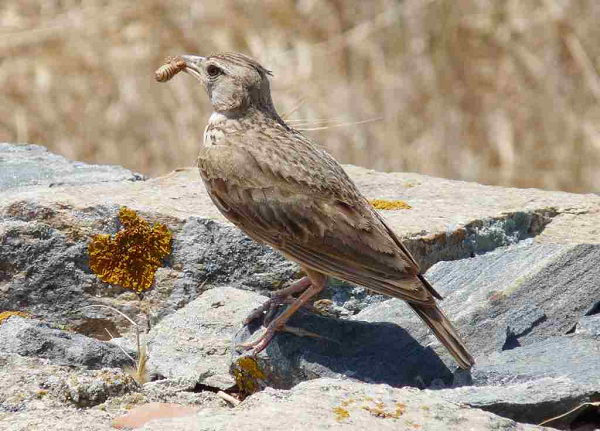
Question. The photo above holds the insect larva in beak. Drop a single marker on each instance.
(172, 66)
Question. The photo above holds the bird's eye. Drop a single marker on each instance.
(213, 70)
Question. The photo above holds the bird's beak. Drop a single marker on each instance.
(194, 65)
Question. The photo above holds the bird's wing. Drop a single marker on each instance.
(299, 200)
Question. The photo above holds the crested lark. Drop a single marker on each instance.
(281, 189)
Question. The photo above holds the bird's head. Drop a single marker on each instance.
(235, 83)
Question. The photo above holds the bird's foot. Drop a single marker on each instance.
(279, 297)
(263, 341)
(309, 288)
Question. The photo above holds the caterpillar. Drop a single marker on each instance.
(172, 66)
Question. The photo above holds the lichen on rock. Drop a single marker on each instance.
(130, 258)
(4, 315)
(383, 204)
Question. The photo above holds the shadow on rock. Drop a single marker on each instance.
(374, 352)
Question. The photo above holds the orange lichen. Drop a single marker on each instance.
(382, 204)
(7, 314)
(248, 375)
(341, 414)
(380, 412)
(131, 258)
(377, 409)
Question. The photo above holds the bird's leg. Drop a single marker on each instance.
(279, 297)
(317, 283)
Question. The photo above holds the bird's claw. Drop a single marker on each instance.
(263, 341)
(267, 309)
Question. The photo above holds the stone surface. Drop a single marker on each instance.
(33, 166)
(448, 220)
(508, 298)
(589, 326)
(532, 402)
(44, 266)
(572, 357)
(199, 342)
(36, 394)
(523, 292)
(194, 343)
(30, 337)
(331, 403)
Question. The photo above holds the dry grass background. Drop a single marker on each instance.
(500, 92)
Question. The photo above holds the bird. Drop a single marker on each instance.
(282, 189)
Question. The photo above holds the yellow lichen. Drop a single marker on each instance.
(131, 258)
(248, 375)
(382, 204)
(6, 314)
(341, 414)
(380, 412)
(377, 408)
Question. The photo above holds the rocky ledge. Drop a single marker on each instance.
(519, 270)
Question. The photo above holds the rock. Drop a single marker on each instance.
(330, 403)
(194, 342)
(36, 394)
(44, 260)
(530, 402)
(589, 326)
(34, 166)
(518, 269)
(508, 298)
(45, 235)
(30, 337)
(203, 251)
(569, 356)
(534, 382)
(369, 352)
(90, 388)
(198, 343)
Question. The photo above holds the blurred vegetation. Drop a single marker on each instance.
(499, 92)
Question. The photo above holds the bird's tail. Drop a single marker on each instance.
(445, 332)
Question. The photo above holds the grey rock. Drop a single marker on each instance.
(368, 352)
(199, 341)
(537, 381)
(32, 165)
(90, 388)
(194, 342)
(36, 394)
(43, 268)
(514, 305)
(531, 402)
(29, 337)
(211, 253)
(589, 326)
(568, 356)
(448, 220)
(508, 298)
(331, 403)
(44, 236)
(44, 265)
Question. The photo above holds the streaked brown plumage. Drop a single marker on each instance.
(281, 189)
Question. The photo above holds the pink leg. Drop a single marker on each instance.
(317, 284)
(279, 297)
